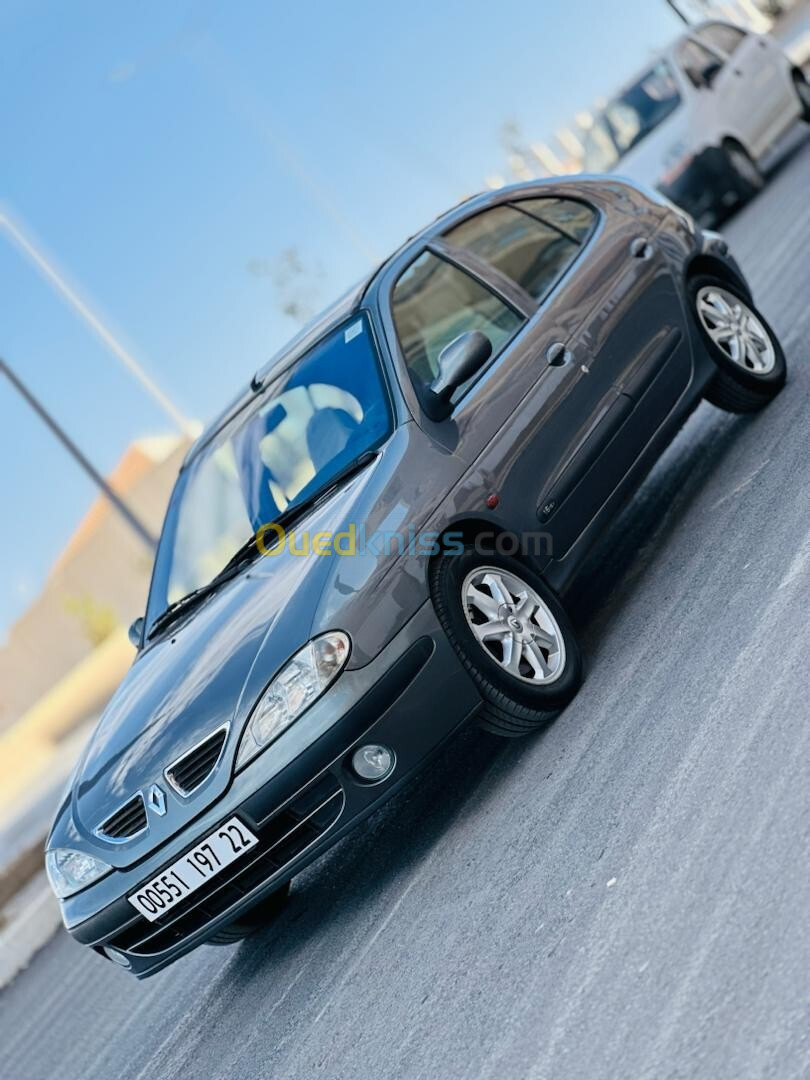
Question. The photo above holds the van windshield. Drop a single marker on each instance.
(631, 116)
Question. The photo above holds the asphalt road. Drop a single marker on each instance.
(627, 895)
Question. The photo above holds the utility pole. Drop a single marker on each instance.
(134, 523)
(674, 5)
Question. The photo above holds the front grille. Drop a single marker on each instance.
(196, 765)
(127, 821)
(281, 839)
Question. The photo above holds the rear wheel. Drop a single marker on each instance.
(803, 93)
(744, 173)
(254, 920)
(512, 635)
(751, 366)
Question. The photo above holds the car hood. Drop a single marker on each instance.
(193, 680)
(212, 667)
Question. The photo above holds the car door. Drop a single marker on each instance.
(630, 357)
(742, 93)
(757, 81)
(566, 362)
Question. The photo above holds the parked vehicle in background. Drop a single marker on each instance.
(775, 8)
(703, 120)
(478, 410)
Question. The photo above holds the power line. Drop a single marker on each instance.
(674, 6)
(52, 275)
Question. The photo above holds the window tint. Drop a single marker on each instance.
(533, 254)
(643, 106)
(723, 37)
(323, 412)
(695, 58)
(575, 219)
(434, 302)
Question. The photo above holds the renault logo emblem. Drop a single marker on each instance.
(156, 799)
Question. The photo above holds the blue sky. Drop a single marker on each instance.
(165, 155)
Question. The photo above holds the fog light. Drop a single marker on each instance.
(116, 956)
(373, 763)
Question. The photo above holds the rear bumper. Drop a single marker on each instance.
(415, 698)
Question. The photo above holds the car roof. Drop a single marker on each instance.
(668, 53)
(351, 300)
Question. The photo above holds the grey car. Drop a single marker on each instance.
(372, 545)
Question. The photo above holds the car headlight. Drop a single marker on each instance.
(69, 871)
(300, 682)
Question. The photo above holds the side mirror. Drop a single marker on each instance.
(458, 362)
(135, 632)
(710, 72)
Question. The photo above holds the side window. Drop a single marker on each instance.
(433, 302)
(695, 59)
(722, 36)
(575, 219)
(527, 250)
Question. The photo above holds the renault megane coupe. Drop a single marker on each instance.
(371, 546)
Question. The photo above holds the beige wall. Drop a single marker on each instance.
(104, 561)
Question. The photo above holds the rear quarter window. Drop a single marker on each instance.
(532, 242)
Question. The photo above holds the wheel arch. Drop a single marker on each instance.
(470, 528)
(713, 266)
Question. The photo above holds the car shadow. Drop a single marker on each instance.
(616, 566)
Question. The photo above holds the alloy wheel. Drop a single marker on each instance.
(736, 330)
(514, 625)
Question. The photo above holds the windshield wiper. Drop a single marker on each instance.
(249, 551)
(177, 607)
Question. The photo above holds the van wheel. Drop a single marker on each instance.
(253, 920)
(803, 93)
(744, 174)
(512, 635)
(751, 365)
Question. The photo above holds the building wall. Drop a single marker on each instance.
(104, 568)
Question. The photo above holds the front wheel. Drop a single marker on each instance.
(513, 636)
(751, 365)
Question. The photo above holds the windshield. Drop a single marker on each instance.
(325, 411)
(632, 116)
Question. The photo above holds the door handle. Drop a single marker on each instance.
(641, 248)
(557, 354)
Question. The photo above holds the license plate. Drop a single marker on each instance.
(226, 844)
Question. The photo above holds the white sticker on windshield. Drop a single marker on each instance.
(353, 331)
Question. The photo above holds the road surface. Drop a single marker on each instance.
(625, 896)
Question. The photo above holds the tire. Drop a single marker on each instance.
(745, 177)
(513, 705)
(254, 920)
(803, 93)
(740, 385)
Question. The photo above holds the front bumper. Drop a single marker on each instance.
(416, 693)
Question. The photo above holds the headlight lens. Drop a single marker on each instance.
(300, 682)
(69, 871)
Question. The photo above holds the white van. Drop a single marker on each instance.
(702, 119)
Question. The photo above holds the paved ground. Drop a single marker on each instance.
(627, 896)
